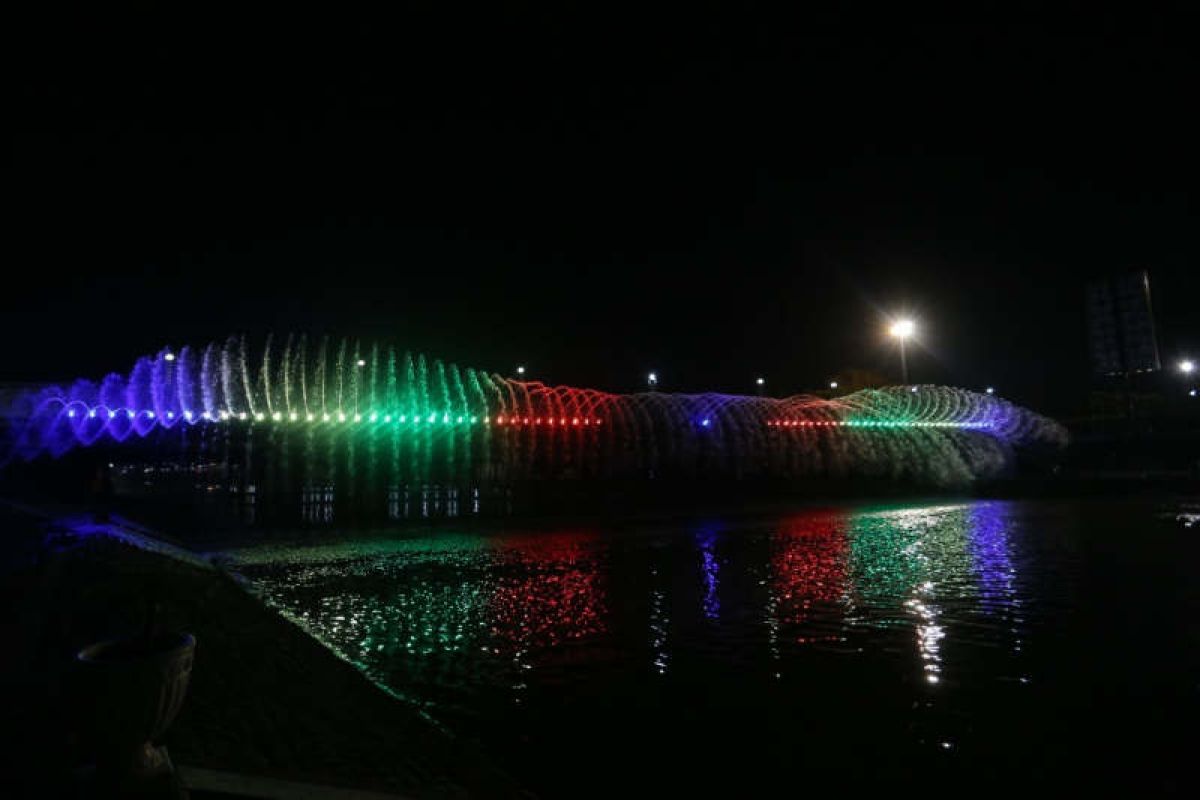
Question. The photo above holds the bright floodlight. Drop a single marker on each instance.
(169, 356)
(990, 390)
(1187, 366)
(833, 384)
(902, 329)
(520, 370)
(759, 381)
(362, 362)
(652, 379)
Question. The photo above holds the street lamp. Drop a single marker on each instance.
(1187, 366)
(520, 370)
(833, 384)
(902, 330)
(652, 380)
(990, 390)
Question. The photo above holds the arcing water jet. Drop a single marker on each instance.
(429, 421)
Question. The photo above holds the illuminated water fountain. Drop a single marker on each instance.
(325, 412)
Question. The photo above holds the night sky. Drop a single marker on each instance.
(597, 195)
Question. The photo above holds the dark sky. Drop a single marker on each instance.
(598, 194)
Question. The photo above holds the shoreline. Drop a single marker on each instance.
(266, 698)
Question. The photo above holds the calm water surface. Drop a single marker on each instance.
(981, 646)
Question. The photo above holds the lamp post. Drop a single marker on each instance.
(520, 371)
(652, 381)
(902, 330)
(758, 384)
(1187, 366)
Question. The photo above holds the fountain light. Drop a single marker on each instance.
(638, 417)
(169, 357)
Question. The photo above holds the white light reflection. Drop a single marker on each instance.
(659, 621)
(929, 633)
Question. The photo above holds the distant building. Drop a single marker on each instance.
(1120, 321)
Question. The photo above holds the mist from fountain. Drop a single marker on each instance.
(412, 420)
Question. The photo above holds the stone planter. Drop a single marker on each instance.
(131, 690)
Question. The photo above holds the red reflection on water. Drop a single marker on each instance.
(549, 591)
(809, 565)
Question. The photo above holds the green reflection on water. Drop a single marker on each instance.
(905, 564)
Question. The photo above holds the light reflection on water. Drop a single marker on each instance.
(476, 623)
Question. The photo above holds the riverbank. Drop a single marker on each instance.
(265, 699)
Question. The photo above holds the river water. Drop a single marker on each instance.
(981, 647)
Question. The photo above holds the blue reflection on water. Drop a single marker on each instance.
(997, 576)
(706, 539)
(989, 550)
